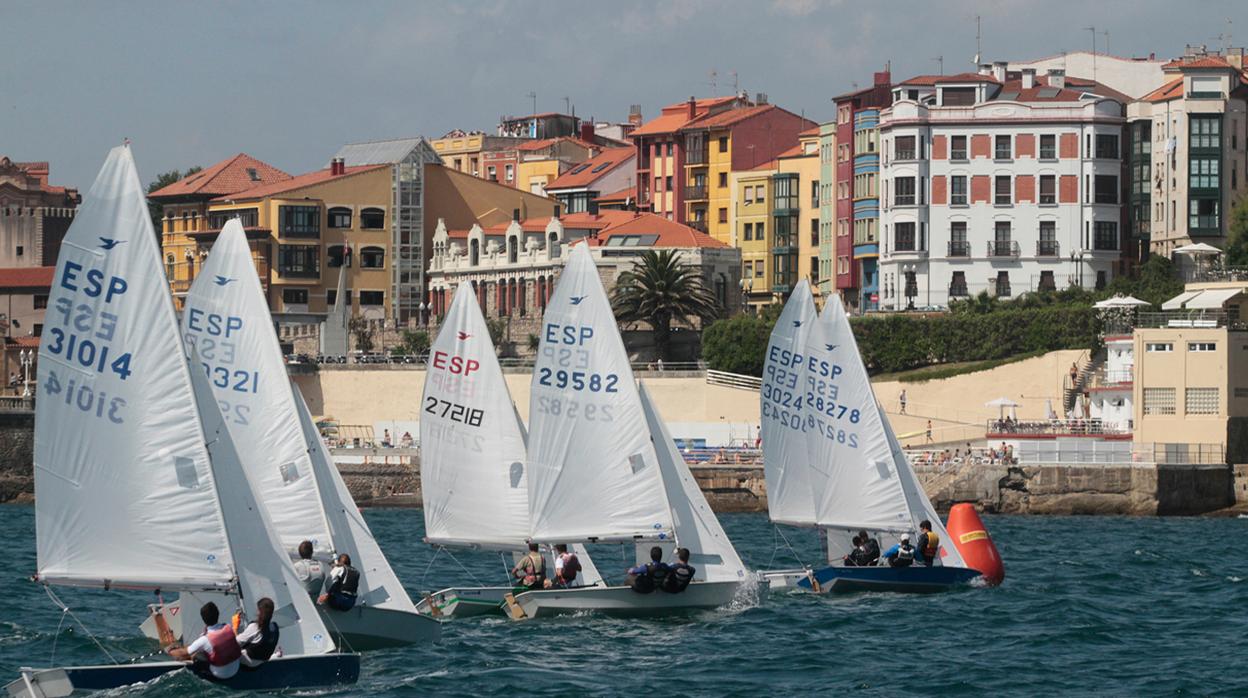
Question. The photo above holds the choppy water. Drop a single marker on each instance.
(1116, 606)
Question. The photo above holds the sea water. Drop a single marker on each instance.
(1119, 606)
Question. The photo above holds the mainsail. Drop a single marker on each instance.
(786, 463)
(471, 440)
(127, 496)
(696, 526)
(227, 321)
(593, 472)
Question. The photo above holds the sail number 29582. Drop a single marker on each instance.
(579, 380)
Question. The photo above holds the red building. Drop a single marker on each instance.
(856, 231)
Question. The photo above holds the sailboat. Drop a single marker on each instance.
(138, 482)
(601, 466)
(862, 480)
(472, 452)
(227, 321)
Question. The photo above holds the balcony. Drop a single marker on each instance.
(695, 193)
(697, 225)
(1203, 319)
(959, 248)
(698, 156)
(1048, 248)
(1002, 248)
(1121, 378)
(1010, 428)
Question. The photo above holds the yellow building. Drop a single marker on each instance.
(751, 205)
(540, 162)
(802, 162)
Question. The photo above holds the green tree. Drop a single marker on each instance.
(659, 290)
(412, 343)
(737, 344)
(1237, 235)
(359, 328)
(156, 209)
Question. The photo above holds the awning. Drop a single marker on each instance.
(1177, 302)
(1213, 299)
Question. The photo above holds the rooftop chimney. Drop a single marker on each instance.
(1029, 78)
(587, 131)
(998, 70)
(692, 111)
(1057, 78)
(515, 215)
(760, 98)
(592, 208)
(556, 213)
(634, 115)
(884, 77)
(337, 166)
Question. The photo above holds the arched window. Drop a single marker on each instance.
(169, 262)
(541, 292)
(340, 217)
(372, 219)
(513, 252)
(552, 250)
(474, 252)
(339, 255)
(372, 258)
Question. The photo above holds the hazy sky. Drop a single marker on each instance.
(194, 82)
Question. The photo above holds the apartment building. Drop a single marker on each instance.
(827, 207)
(998, 182)
(752, 219)
(610, 173)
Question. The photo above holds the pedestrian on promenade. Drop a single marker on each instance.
(902, 400)
(929, 431)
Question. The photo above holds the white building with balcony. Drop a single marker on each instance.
(999, 182)
(1109, 397)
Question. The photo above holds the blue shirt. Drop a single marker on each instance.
(645, 569)
(892, 552)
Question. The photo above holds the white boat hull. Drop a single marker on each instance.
(623, 601)
(782, 579)
(465, 602)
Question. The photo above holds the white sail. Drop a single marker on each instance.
(263, 566)
(593, 473)
(379, 586)
(696, 526)
(472, 444)
(126, 494)
(227, 321)
(786, 464)
(920, 506)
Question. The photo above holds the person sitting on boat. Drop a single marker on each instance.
(216, 653)
(870, 550)
(929, 543)
(680, 574)
(531, 569)
(342, 586)
(310, 572)
(854, 558)
(259, 639)
(567, 566)
(644, 579)
(902, 554)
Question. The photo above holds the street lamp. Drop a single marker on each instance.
(27, 357)
(1076, 259)
(747, 286)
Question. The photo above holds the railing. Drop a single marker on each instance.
(726, 456)
(1048, 248)
(1189, 319)
(17, 403)
(1002, 248)
(1106, 377)
(1117, 453)
(997, 428)
(958, 291)
(959, 248)
(734, 380)
(697, 225)
(1202, 275)
(695, 193)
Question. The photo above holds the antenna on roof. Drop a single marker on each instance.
(533, 96)
(714, 91)
(940, 60)
(735, 86)
(567, 105)
(1093, 31)
(978, 52)
(1106, 35)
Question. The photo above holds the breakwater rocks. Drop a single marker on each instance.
(17, 453)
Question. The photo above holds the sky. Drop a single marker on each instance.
(192, 83)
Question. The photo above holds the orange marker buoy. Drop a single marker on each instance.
(971, 539)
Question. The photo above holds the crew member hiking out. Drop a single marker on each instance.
(214, 654)
(644, 579)
(530, 571)
(929, 544)
(680, 574)
(567, 566)
(342, 586)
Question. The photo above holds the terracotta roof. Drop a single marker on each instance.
(22, 342)
(225, 177)
(590, 170)
(769, 165)
(728, 117)
(796, 151)
(609, 224)
(621, 195)
(1202, 62)
(945, 79)
(674, 116)
(1166, 92)
(541, 143)
(26, 277)
(303, 180)
(39, 171)
(812, 131)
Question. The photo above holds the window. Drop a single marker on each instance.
(295, 296)
(1204, 173)
(21, 250)
(1048, 146)
(903, 191)
(1107, 146)
(1106, 189)
(669, 149)
(372, 297)
(1047, 282)
(372, 258)
(668, 183)
(723, 179)
(1001, 245)
(339, 217)
(339, 255)
(957, 147)
(903, 237)
(1201, 401)
(1001, 192)
(957, 190)
(1203, 213)
(957, 285)
(1105, 236)
(758, 270)
(814, 232)
(723, 215)
(40, 301)
(372, 219)
(760, 231)
(1206, 132)
(814, 194)
(1157, 347)
(299, 261)
(723, 144)
(300, 221)
(1003, 284)
(1048, 189)
(903, 148)
(491, 173)
(331, 297)
(842, 227)
(749, 229)
(1202, 346)
(958, 246)
(1159, 401)
(1047, 245)
(1003, 151)
(748, 271)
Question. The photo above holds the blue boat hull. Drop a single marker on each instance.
(910, 580)
(314, 671)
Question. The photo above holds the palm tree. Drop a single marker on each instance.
(658, 290)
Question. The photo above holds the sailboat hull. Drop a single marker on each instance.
(908, 580)
(281, 673)
(623, 601)
(465, 602)
(366, 628)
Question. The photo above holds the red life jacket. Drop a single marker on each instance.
(224, 643)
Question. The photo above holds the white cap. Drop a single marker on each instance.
(905, 538)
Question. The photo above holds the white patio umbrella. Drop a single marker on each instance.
(1120, 301)
(1198, 249)
(1049, 412)
(1002, 403)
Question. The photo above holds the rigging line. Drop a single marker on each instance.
(790, 547)
(464, 568)
(328, 615)
(52, 595)
(436, 552)
(57, 637)
(502, 557)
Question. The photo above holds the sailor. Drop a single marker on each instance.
(902, 554)
(216, 651)
(566, 567)
(531, 569)
(854, 558)
(870, 550)
(259, 639)
(680, 574)
(342, 586)
(929, 543)
(644, 579)
(310, 572)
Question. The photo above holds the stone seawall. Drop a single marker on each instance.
(17, 454)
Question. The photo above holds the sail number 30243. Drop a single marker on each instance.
(454, 412)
